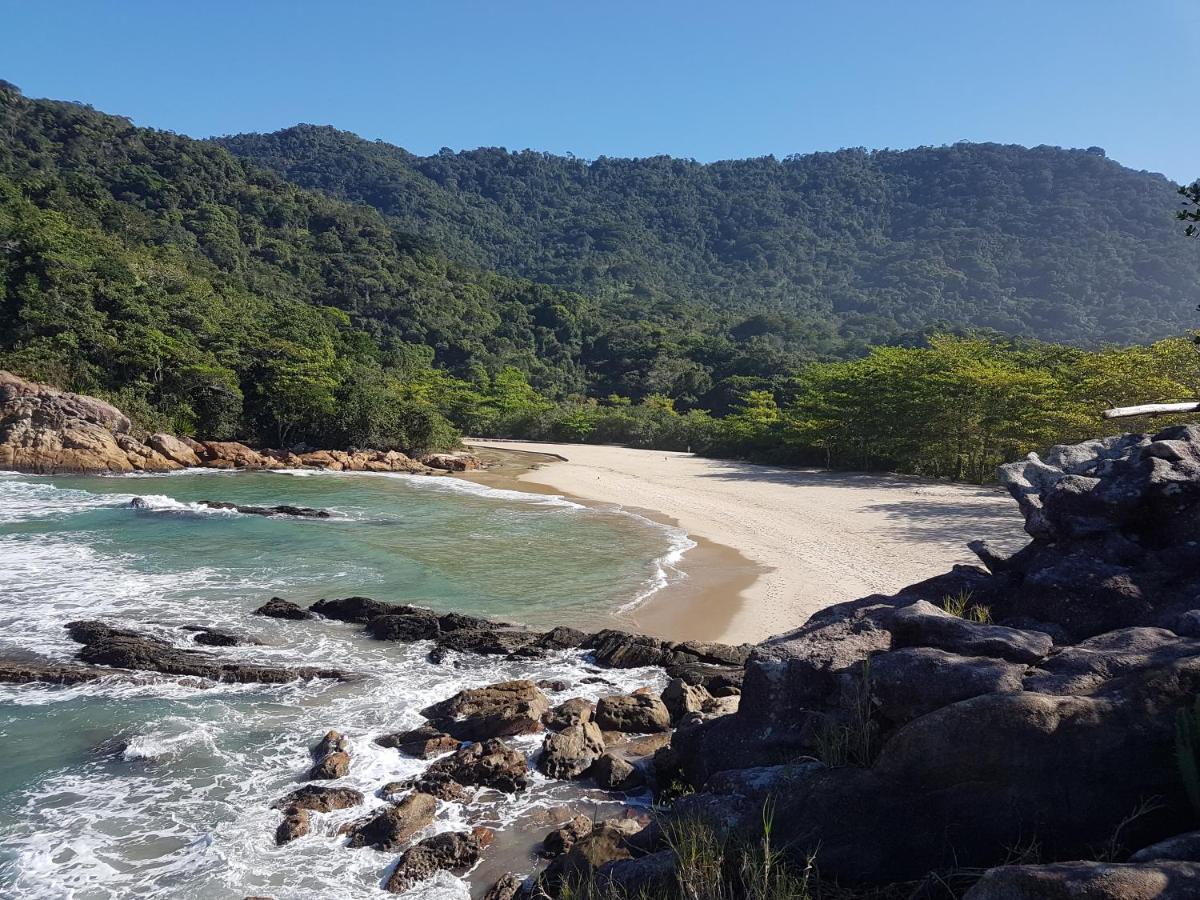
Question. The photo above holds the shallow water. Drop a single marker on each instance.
(162, 790)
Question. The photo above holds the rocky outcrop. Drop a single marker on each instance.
(1047, 713)
(641, 714)
(499, 710)
(492, 764)
(125, 649)
(424, 742)
(47, 431)
(331, 758)
(571, 752)
(394, 826)
(453, 851)
(452, 462)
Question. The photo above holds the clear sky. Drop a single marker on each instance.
(702, 79)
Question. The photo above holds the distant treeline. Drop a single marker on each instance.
(955, 408)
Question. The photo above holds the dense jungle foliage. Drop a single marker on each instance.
(849, 248)
(209, 296)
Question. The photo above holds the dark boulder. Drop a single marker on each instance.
(278, 608)
(913, 681)
(353, 609)
(924, 625)
(300, 512)
(409, 627)
(294, 825)
(622, 650)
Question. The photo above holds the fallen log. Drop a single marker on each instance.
(1152, 409)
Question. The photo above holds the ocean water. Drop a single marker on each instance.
(162, 790)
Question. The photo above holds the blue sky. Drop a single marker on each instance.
(708, 80)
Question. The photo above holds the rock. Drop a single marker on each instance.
(621, 650)
(406, 627)
(563, 838)
(561, 638)
(46, 431)
(499, 710)
(571, 752)
(332, 758)
(294, 825)
(216, 637)
(455, 851)
(173, 449)
(652, 875)
(491, 641)
(352, 609)
(300, 512)
(1158, 880)
(682, 698)
(452, 462)
(507, 887)
(1087, 666)
(319, 799)
(278, 608)
(490, 763)
(233, 455)
(440, 785)
(423, 742)
(640, 714)
(575, 711)
(553, 685)
(29, 672)
(105, 645)
(715, 654)
(393, 826)
(913, 681)
(606, 842)
(616, 774)
(924, 625)
(1184, 846)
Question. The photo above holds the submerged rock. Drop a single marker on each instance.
(294, 825)
(300, 512)
(105, 645)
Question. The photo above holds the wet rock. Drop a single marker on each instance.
(1157, 880)
(554, 685)
(410, 627)
(639, 714)
(490, 641)
(563, 838)
(424, 742)
(352, 609)
(393, 826)
(28, 672)
(561, 638)
(491, 763)
(681, 698)
(507, 887)
(454, 851)
(440, 785)
(300, 512)
(575, 711)
(570, 753)
(595, 679)
(607, 842)
(294, 825)
(616, 774)
(317, 798)
(499, 710)
(622, 650)
(216, 637)
(332, 758)
(278, 608)
(125, 649)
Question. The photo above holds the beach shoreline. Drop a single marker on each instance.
(773, 544)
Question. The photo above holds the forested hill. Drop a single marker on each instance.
(1044, 242)
(205, 294)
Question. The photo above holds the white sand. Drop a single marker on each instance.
(825, 536)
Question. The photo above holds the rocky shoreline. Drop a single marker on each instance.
(1025, 729)
(46, 431)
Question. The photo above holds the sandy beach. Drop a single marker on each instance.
(776, 544)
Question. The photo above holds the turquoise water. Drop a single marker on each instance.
(161, 790)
